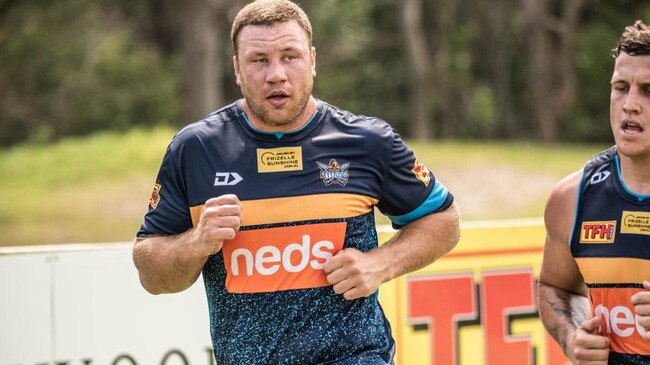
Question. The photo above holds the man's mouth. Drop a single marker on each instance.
(277, 97)
(632, 127)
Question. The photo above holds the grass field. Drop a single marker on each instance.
(96, 189)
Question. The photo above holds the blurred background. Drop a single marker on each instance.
(500, 98)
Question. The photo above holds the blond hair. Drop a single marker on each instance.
(268, 13)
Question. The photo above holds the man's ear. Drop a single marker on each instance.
(236, 67)
(313, 61)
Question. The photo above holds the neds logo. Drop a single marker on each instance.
(271, 255)
(618, 320)
(281, 258)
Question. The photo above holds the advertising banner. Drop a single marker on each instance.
(83, 305)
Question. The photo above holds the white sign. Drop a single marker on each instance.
(83, 304)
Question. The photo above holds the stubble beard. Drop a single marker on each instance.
(272, 117)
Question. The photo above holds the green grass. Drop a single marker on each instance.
(89, 189)
(559, 159)
(105, 156)
(96, 189)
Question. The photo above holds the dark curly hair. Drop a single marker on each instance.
(634, 41)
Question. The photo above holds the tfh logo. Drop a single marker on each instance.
(598, 232)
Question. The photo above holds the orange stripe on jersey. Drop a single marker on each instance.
(612, 270)
(281, 258)
(618, 320)
(299, 208)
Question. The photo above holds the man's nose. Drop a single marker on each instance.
(632, 102)
(276, 72)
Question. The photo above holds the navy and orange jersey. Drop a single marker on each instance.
(306, 195)
(611, 245)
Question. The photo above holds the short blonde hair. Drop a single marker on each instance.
(268, 13)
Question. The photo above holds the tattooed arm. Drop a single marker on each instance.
(562, 294)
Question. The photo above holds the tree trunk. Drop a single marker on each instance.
(500, 46)
(567, 74)
(451, 96)
(201, 67)
(421, 83)
(552, 82)
(540, 69)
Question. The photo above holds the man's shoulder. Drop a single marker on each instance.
(600, 159)
(567, 188)
(362, 124)
(565, 193)
(560, 207)
(210, 126)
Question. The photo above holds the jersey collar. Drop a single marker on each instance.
(294, 135)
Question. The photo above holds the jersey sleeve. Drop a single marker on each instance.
(409, 190)
(168, 212)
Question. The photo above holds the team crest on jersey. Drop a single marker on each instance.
(155, 196)
(421, 173)
(334, 173)
(598, 232)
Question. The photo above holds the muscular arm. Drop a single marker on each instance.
(355, 274)
(419, 243)
(169, 264)
(562, 294)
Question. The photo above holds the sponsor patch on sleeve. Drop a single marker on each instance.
(421, 173)
(155, 196)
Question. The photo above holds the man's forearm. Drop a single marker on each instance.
(167, 264)
(561, 312)
(421, 242)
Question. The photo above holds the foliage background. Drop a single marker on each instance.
(91, 91)
(72, 67)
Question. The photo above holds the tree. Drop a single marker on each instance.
(422, 77)
(500, 42)
(552, 69)
(201, 40)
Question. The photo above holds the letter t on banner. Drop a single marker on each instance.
(440, 302)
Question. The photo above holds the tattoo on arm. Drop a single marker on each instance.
(568, 312)
(559, 303)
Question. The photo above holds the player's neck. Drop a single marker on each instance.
(300, 122)
(635, 172)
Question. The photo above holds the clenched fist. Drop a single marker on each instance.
(353, 273)
(220, 220)
(641, 302)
